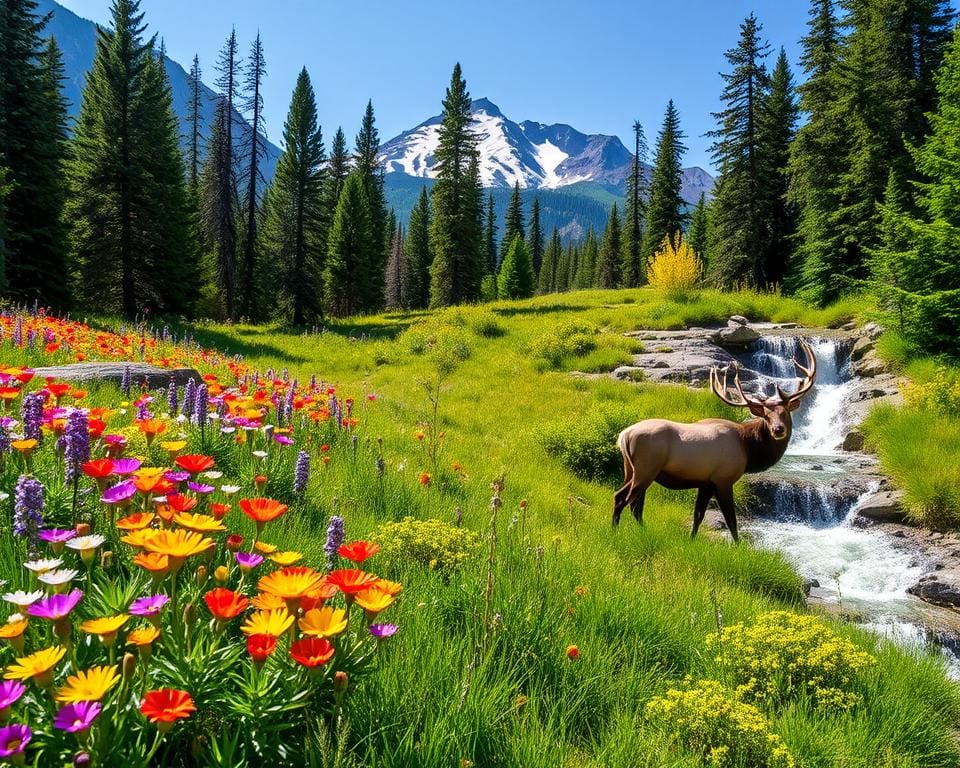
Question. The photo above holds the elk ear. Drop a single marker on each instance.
(757, 409)
(792, 405)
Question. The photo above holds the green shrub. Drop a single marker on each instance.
(432, 543)
(708, 720)
(586, 444)
(782, 655)
(573, 338)
(484, 323)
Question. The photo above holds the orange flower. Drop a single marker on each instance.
(158, 565)
(350, 580)
(267, 602)
(198, 523)
(138, 538)
(311, 652)
(260, 647)
(195, 463)
(225, 604)
(165, 706)
(424, 478)
(262, 510)
(290, 583)
(358, 551)
(390, 587)
(136, 521)
(178, 545)
(373, 601)
(573, 653)
(151, 428)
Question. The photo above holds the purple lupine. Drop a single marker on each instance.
(31, 338)
(125, 381)
(28, 509)
(143, 412)
(76, 435)
(172, 396)
(189, 398)
(334, 539)
(288, 404)
(279, 411)
(4, 440)
(201, 405)
(301, 472)
(31, 414)
(18, 332)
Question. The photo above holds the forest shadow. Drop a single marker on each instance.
(540, 309)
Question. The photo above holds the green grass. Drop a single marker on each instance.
(504, 693)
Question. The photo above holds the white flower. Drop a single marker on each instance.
(228, 430)
(13, 618)
(23, 599)
(4, 496)
(159, 499)
(213, 474)
(260, 454)
(84, 543)
(59, 577)
(42, 566)
(181, 418)
(230, 489)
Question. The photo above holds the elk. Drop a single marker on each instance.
(712, 454)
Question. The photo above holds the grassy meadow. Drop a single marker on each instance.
(530, 632)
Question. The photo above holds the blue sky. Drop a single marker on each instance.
(595, 65)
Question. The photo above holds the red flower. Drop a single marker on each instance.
(350, 580)
(98, 468)
(261, 646)
(180, 503)
(262, 510)
(358, 551)
(167, 705)
(225, 604)
(195, 463)
(311, 651)
(424, 478)
(234, 542)
(573, 653)
(218, 510)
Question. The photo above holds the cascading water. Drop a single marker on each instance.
(803, 515)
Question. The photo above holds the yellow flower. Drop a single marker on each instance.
(273, 623)
(173, 446)
(143, 636)
(136, 522)
(88, 685)
(178, 545)
(198, 523)
(262, 546)
(324, 622)
(390, 587)
(374, 600)
(13, 629)
(290, 583)
(37, 665)
(285, 558)
(138, 539)
(267, 602)
(106, 627)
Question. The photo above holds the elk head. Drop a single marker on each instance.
(774, 409)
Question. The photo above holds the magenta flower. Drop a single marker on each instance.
(14, 739)
(248, 560)
(200, 487)
(57, 535)
(175, 476)
(10, 693)
(119, 493)
(56, 607)
(383, 631)
(125, 466)
(282, 439)
(148, 606)
(77, 716)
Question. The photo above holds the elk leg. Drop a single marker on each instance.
(620, 501)
(725, 499)
(700, 507)
(636, 504)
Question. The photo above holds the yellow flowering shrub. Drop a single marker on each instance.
(783, 654)
(432, 543)
(675, 268)
(941, 392)
(707, 719)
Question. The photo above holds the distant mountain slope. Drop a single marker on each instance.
(76, 36)
(537, 156)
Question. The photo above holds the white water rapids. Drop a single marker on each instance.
(861, 568)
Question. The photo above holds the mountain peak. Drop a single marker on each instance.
(484, 104)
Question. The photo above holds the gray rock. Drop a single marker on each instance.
(853, 441)
(869, 365)
(873, 331)
(737, 320)
(861, 346)
(937, 592)
(737, 336)
(113, 372)
(849, 326)
(885, 506)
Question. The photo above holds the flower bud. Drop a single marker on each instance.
(341, 681)
(190, 615)
(106, 559)
(83, 529)
(234, 542)
(200, 575)
(129, 665)
(221, 575)
(82, 760)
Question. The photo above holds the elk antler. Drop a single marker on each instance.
(809, 372)
(719, 386)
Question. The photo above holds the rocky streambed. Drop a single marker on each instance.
(826, 505)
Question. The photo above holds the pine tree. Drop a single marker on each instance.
(547, 278)
(5, 189)
(370, 171)
(515, 279)
(127, 204)
(698, 235)
(228, 81)
(338, 169)
(490, 237)
(535, 238)
(253, 74)
(294, 227)
(393, 278)
(456, 233)
(349, 246)
(665, 207)
(778, 120)
(608, 267)
(194, 120)
(218, 210)
(633, 272)
(33, 150)
(738, 205)
(416, 270)
(513, 224)
(586, 275)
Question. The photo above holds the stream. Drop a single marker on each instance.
(814, 493)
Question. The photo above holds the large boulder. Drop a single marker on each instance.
(932, 590)
(873, 331)
(885, 507)
(853, 441)
(154, 375)
(735, 321)
(869, 366)
(861, 346)
(735, 336)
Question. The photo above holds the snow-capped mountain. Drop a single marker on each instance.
(537, 156)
